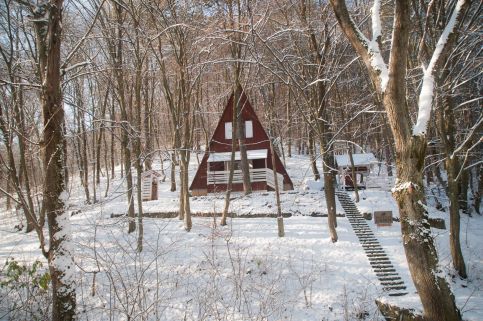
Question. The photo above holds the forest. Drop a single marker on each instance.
(97, 96)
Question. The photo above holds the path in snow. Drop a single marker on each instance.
(382, 266)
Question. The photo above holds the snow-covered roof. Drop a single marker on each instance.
(150, 172)
(359, 159)
(226, 156)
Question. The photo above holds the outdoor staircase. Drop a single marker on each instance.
(390, 280)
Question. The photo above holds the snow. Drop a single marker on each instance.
(401, 186)
(63, 260)
(425, 101)
(468, 293)
(376, 19)
(226, 156)
(377, 62)
(313, 185)
(242, 271)
(372, 200)
(359, 159)
(424, 104)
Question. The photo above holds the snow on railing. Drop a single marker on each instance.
(256, 175)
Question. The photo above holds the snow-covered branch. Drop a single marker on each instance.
(427, 89)
(377, 62)
(376, 20)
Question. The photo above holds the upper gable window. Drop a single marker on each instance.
(248, 129)
(228, 130)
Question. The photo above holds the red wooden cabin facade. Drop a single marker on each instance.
(214, 169)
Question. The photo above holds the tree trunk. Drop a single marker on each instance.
(436, 296)
(20, 119)
(454, 213)
(329, 191)
(82, 141)
(289, 126)
(463, 191)
(60, 253)
(137, 143)
(354, 175)
(245, 168)
(100, 137)
(388, 150)
(229, 186)
(313, 159)
(185, 204)
(106, 162)
(173, 169)
(281, 228)
(446, 126)
(434, 291)
(117, 56)
(185, 122)
(113, 145)
(13, 180)
(236, 53)
(8, 203)
(148, 124)
(479, 191)
(14, 177)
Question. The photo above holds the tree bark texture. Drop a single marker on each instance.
(60, 257)
(446, 125)
(232, 168)
(117, 56)
(245, 168)
(313, 159)
(353, 174)
(329, 191)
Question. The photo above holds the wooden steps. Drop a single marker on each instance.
(381, 264)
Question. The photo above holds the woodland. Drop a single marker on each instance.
(97, 90)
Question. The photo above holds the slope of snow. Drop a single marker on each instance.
(242, 271)
(468, 293)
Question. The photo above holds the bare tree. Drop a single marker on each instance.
(47, 19)
(436, 297)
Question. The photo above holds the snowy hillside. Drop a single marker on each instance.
(242, 271)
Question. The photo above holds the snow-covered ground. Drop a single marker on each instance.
(468, 293)
(242, 271)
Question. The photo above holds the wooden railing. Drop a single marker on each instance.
(256, 175)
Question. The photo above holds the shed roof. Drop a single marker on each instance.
(149, 173)
(359, 159)
(226, 156)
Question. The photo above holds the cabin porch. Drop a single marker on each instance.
(261, 176)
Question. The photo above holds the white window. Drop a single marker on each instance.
(228, 130)
(248, 129)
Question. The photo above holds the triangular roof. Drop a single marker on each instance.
(218, 143)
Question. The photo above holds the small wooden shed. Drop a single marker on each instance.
(362, 166)
(150, 180)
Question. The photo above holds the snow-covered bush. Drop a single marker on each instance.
(24, 293)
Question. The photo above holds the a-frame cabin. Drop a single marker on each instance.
(214, 169)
